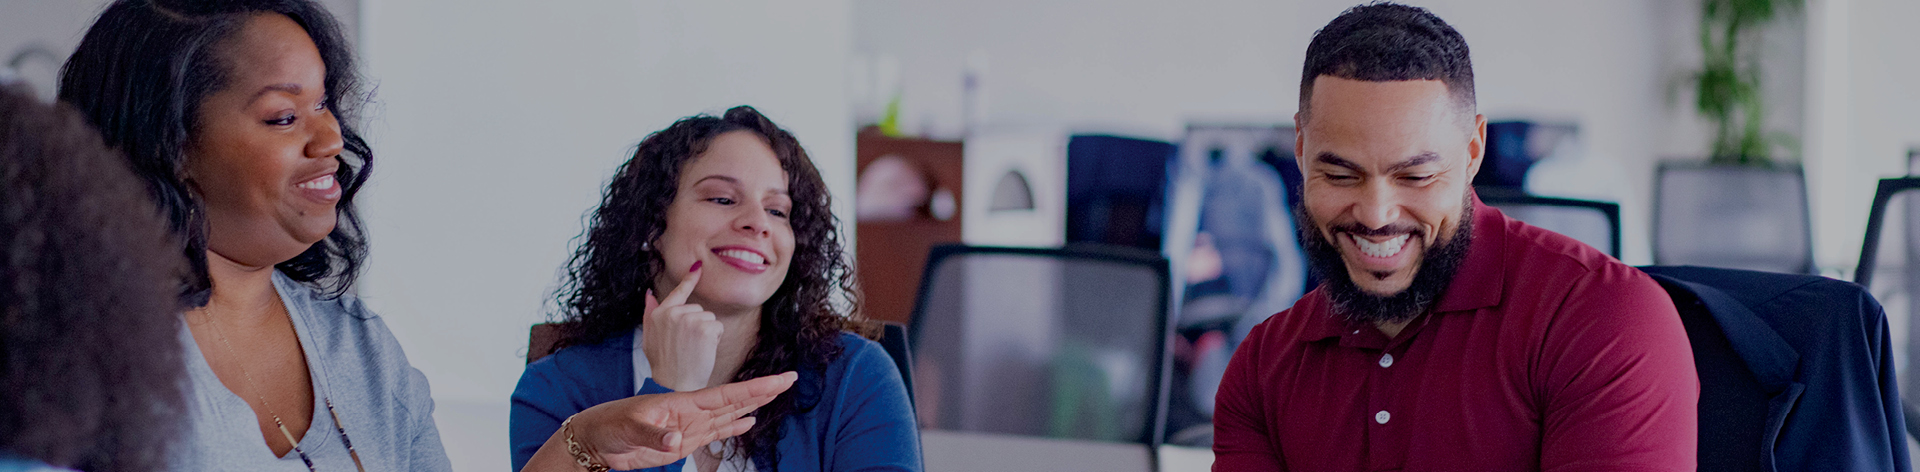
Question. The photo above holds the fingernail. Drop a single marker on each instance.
(696, 266)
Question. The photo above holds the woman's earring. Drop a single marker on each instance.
(646, 246)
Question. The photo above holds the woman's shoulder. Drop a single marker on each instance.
(861, 358)
(354, 346)
(340, 309)
(862, 388)
(853, 346)
(589, 357)
(591, 367)
(338, 322)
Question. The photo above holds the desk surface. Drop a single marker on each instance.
(949, 451)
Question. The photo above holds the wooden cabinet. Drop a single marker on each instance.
(896, 225)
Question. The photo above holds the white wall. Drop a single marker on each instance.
(1149, 67)
(1864, 113)
(498, 125)
(56, 26)
(50, 26)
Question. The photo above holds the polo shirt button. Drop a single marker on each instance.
(1386, 360)
(1382, 417)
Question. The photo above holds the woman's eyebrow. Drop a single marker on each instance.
(729, 179)
(288, 88)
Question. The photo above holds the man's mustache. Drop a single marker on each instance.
(1394, 229)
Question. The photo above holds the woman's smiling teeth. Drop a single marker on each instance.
(1385, 249)
(323, 183)
(744, 255)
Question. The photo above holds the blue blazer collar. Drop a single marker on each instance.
(1774, 363)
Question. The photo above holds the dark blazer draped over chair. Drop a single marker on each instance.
(1796, 371)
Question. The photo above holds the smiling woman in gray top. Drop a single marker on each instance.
(239, 117)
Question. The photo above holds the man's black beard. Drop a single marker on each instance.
(1357, 306)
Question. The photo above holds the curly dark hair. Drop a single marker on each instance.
(1380, 42)
(799, 326)
(140, 74)
(90, 354)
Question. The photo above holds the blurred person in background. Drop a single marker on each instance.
(1445, 336)
(239, 118)
(90, 371)
(728, 222)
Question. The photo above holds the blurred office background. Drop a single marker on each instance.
(1018, 123)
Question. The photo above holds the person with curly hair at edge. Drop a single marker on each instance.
(90, 369)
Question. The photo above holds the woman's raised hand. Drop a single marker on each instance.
(681, 339)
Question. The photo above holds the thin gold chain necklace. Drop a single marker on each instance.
(337, 425)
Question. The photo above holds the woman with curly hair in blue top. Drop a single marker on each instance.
(728, 222)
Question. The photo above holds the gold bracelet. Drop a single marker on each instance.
(580, 454)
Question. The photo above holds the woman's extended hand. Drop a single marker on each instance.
(656, 430)
(681, 339)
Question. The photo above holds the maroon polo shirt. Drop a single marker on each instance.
(1543, 354)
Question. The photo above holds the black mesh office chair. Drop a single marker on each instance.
(1593, 222)
(1752, 218)
(1064, 344)
(893, 337)
(1900, 278)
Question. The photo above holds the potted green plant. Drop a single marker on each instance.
(1727, 86)
(1739, 209)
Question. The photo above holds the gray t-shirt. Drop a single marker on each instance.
(356, 362)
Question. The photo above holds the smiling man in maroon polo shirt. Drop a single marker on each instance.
(1447, 336)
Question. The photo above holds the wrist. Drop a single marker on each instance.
(678, 384)
(665, 376)
(650, 386)
(582, 454)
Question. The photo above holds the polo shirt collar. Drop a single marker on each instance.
(1481, 279)
(1325, 324)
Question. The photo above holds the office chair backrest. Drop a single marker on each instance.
(1884, 201)
(893, 338)
(1115, 190)
(1593, 222)
(1740, 217)
(541, 339)
(1890, 268)
(1058, 343)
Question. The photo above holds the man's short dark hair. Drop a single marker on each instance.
(1380, 42)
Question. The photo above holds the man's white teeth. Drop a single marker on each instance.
(1389, 248)
(322, 183)
(748, 256)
